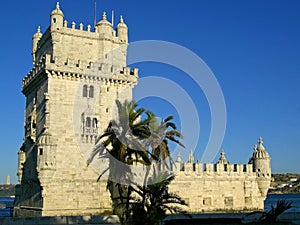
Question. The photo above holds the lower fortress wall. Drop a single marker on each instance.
(205, 188)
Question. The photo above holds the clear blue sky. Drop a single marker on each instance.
(252, 47)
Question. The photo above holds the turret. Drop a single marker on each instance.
(57, 18)
(178, 163)
(104, 27)
(222, 159)
(46, 155)
(21, 161)
(261, 165)
(122, 31)
(191, 157)
(35, 40)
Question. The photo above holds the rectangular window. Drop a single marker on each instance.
(207, 201)
(41, 151)
(228, 201)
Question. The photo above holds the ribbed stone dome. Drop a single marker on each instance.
(45, 139)
(261, 154)
(260, 151)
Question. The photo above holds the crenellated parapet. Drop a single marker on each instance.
(58, 40)
(82, 69)
(258, 167)
(218, 169)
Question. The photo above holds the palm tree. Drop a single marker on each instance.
(119, 142)
(128, 140)
(271, 216)
(161, 133)
(154, 201)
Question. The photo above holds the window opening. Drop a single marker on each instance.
(91, 92)
(94, 123)
(88, 122)
(84, 94)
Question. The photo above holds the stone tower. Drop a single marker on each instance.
(77, 75)
(261, 166)
(7, 182)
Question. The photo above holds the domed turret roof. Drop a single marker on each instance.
(121, 23)
(104, 21)
(45, 138)
(57, 10)
(260, 151)
(38, 33)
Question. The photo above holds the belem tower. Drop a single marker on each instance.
(78, 73)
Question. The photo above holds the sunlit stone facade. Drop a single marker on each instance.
(78, 73)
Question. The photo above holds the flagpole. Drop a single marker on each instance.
(95, 13)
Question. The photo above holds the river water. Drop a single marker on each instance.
(6, 204)
(273, 198)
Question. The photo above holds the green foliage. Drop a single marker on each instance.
(137, 136)
(271, 216)
(290, 188)
(7, 190)
(161, 133)
(154, 200)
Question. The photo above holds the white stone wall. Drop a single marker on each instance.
(218, 191)
(54, 177)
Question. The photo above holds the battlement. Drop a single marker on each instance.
(102, 43)
(82, 69)
(210, 168)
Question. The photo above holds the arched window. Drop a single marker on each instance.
(94, 123)
(85, 90)
(91, 92)
(88, 122)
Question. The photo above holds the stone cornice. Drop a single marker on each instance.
(74, 71)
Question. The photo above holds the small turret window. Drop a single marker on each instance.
(85, 90)
(91, 92)
(54, 20)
